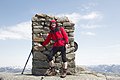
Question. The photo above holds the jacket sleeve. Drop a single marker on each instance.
(47, 40)
(65, 36)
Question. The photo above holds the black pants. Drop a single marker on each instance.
(61, 49)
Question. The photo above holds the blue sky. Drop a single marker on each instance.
(96, 29)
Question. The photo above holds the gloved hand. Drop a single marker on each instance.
(66, 45)
(41, 43)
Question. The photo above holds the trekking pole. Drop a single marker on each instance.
(26, 62)
(30, 55)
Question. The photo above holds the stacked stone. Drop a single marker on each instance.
(40, 30)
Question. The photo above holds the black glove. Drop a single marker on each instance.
(41, 43)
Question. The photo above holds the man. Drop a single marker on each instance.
(60, 38)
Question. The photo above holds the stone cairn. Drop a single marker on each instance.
(40, 30)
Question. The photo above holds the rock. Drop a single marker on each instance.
(41, 15)
(68, 24)
(34, 19)
(18, 76)
(62, 19)
(40, 56)
(40, 64)
(40, 25)
(1, 78)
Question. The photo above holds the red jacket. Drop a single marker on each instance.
(59, 37)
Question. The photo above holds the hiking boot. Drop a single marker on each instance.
(51, 72)
(63, 73)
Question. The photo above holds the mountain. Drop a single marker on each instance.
(13, 69)
(97, 68)
(106, 69)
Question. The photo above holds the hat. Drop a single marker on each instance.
(53, 21)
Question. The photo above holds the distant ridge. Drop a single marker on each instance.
(106, 68)
(97, 68)
(14, 69)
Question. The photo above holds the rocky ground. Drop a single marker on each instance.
(81, 76)
(82, 73)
